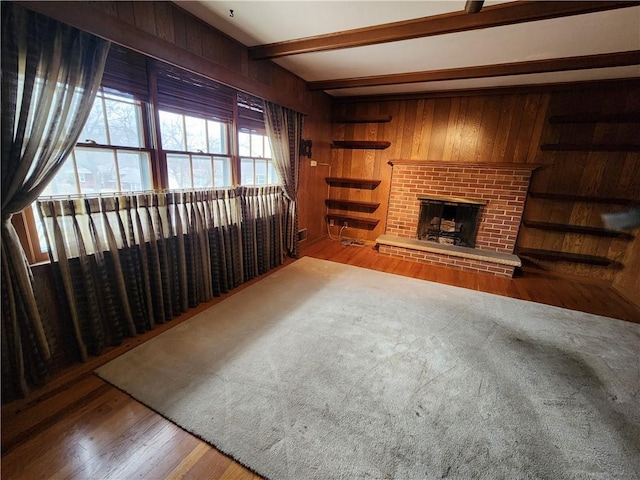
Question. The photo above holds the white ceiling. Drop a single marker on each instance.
(261, 22)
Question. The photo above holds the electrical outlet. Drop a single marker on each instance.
(331, 222)
(345, 225)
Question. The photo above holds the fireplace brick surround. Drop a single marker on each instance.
(502, 186)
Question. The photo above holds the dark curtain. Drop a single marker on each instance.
(142, 259)
(50, 75)
(284, 129)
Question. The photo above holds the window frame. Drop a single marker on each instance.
(253, 158)
(130, 74)
(164, 152)
(27, 223)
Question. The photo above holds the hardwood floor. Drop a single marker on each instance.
(81, 427)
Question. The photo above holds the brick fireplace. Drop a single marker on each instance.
(501, 189)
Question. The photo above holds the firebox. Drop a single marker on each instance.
(449, 220)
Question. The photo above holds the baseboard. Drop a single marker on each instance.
(633, 301)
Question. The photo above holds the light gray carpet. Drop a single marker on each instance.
(327, 371)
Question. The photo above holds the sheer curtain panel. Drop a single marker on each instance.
(50, 75)
(284, 128)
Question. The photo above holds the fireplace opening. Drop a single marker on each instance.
(449, 221)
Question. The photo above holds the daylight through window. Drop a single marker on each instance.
(197, 151)
(111, 155)
(256, 163)
(183, 140)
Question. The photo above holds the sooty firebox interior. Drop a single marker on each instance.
(449, 220)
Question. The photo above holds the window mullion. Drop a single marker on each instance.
(191, 170)
(159, 158)
(206, 134)
(213, 165)
(106, 118)
(115, 161)
(234, 149)
(184, 133)
(75, 171)
(266, 162)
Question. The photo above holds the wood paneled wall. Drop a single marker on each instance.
(163, 30)
(312, 189)
(509, 128)
(480, 129)
(598, 174)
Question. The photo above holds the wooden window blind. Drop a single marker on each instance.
(185, 92)
(250, 113)
(126, 71)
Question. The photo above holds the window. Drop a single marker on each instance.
(197, 151)
(117, 151)
(256, 164)
(111, 155)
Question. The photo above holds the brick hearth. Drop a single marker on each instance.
(503, 186)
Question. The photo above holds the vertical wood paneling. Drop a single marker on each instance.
(210, 48)
(125, 12)
(194, 36)
(451, 130)
(514, 129)
(538, 127)
(527, 126)
(439, 130)
(461, 129)
(180, 28)
(471, 130)
(110, 8)
(426, 129)
(164, 21)
(509, 128)
(597, 174)
(312, 188)
(144, 16)
(504, 124)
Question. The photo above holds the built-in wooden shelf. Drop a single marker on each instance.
(362, 182)
(565, 257)
(351, 204)
(362, 144)
(560, 227)
(632, 117)
(561, 197)
(362, 119)
(351, 219)
(585, 147)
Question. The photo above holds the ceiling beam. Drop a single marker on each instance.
(604, 60)
(491, 16)
(592, 85)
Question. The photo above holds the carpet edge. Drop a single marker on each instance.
(211, 444)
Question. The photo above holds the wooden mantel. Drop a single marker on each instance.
(496, 165)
